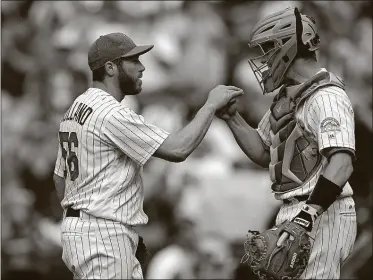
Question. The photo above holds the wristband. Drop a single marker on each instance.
(324, 193)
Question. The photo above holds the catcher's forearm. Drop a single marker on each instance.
(249, 140)
(328, 187)
(331, 183)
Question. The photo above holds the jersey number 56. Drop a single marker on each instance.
(68, 154)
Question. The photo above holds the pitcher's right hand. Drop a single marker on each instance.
(228, 111)
(221, 95)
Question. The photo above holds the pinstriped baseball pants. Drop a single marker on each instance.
(333, 237)
(94, 248)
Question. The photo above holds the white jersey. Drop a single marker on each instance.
(328, 118)
(103, 147)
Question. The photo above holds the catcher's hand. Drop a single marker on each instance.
(142, 254)
(306, 218)
(271, 259)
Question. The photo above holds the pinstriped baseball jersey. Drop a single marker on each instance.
(328, 118)
(103, 147)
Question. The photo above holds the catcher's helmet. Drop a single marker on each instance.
(280, 36)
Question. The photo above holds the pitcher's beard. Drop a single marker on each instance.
(127, 85)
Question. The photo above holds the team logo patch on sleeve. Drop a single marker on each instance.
(330, 125)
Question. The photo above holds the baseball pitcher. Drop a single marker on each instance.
(103, 147)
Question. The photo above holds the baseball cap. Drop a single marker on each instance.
(112, 46)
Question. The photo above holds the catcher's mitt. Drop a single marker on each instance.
(269, 261)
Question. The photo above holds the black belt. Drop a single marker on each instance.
(70, 212)
(298, 198)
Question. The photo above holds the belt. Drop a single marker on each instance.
(70, 212)
(298, 198)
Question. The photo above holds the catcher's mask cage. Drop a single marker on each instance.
(279, 37)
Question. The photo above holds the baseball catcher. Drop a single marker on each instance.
(306, 140)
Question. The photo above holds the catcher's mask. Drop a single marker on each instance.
(279, 38)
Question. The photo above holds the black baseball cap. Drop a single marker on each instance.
(112, 46)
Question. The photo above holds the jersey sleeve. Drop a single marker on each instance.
(133, 136)
(331, 119)
(263, 130)
(59, 168)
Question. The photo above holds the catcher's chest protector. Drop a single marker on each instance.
(294, 156)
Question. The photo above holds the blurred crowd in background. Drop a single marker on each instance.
(199, 210)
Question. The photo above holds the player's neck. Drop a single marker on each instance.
(301, 71)
(109, 88)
